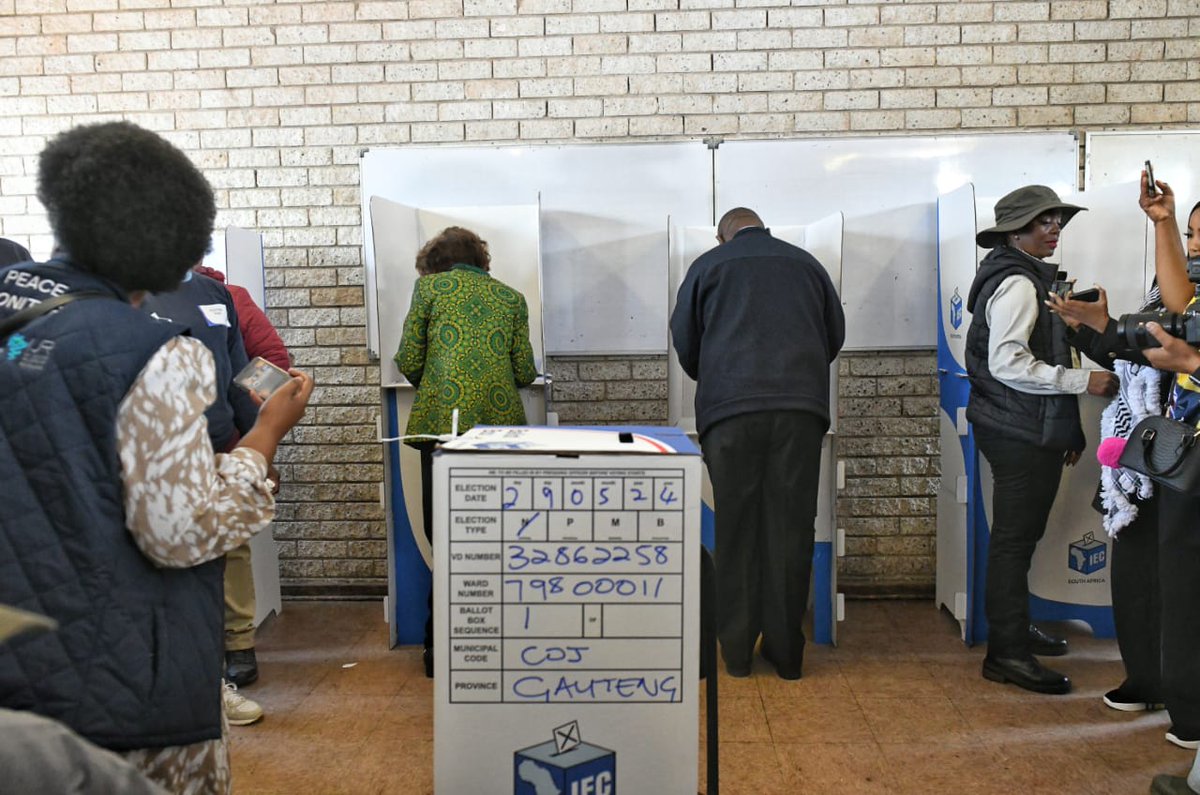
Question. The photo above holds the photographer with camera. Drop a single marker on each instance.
(1025, 413)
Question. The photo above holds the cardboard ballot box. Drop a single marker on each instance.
(566, 606)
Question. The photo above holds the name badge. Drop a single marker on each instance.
(215, 314)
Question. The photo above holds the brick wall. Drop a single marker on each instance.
(275, 100)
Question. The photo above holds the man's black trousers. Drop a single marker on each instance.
(765, 470)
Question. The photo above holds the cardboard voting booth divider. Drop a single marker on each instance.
(399, 232)
(1069, 574)
(822, 239)
(566, 605)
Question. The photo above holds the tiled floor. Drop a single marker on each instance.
(897, 707)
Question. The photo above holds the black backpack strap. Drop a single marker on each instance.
(20, 319)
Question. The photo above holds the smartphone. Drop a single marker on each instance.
(261, 377)
(1091, 295)
(1152, 189)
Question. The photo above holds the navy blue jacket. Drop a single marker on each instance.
(136, 661)
(757, 323)
(205, 308)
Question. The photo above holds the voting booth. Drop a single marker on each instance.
(238, 253)
(1069, 575)
(566, 593)
(399, 231)
(822, 239)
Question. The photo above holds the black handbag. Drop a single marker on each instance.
(1166, 451)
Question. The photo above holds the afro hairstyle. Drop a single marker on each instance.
(451, 246)
(126, 204)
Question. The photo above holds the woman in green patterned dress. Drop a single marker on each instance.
(465, 346)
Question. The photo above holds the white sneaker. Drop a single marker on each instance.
(240, 710)
(1177, 738)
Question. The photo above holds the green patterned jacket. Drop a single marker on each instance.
(466, 346)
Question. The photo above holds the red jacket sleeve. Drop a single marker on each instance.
(258, 335)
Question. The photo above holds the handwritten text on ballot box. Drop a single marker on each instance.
(566, 603)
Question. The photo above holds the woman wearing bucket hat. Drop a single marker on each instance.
(1025, 414)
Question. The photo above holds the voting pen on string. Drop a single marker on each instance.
(437, 437)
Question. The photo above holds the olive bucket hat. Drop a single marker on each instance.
(1020, 207)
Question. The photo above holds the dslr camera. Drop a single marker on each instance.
(1131, 328)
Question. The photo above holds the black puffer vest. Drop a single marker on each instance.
(1050, 421)
(135, 662)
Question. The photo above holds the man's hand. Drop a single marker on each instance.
(1158, 207)
(1174, 356)
(1102, 383)
(1093, 314)
(1071, 457)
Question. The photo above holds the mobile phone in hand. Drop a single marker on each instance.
(261, 377)
(1091, 295)
(1152, 189)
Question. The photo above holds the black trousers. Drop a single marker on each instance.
(1136, 602)
(765, 470)
(1179, 570)
(1025, 479)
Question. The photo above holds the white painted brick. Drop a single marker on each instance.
(358, 114)
(710, 41)
(627, 23)
(597, 6)
(1182, 49)
(988, 34)
(927, 35)
(964, 12)
(89, 84)
(519, 109)
(1144, 50)
(765, 123)
(456, 29)
(1136, 8)
(1052, 73)
(254, 197)
(1045, 31)
(794, 18)
(894, 98)
(224, 139)
(290, 14)
(61, 23)
(608, 44)
(1156, 28)
(658, 84)
(766, 81)
(319, 96)
(426, 9)
(1183, 8)
(823, 80)
(278, 97)
(1102, 73)
(572, 24)
(630, 106)
(545, 7)
(543, 46)
(574, 108)
(822, 122)
(248, 37)
(783, 102)
(655, 43)
(963, 55)
(518, 26)
(304, 75)
(437, 92)
(851, 16)
(409, 30)
(1101, 114)
(341, 53)
(226, 58)
(741, 104)
(411, 112)
(239, 78)
(1161, 71)
(464, 111)
(851, 100)
(932, 76)
(305, 34)
(933, 119)
(876, 78)
(1103, 31)
(55, 84)
(764, 39)
(908, 56)
(1020, 53)
(1086, 94)
(68, 64)
(489, 89)
(573, 66)
(520, 67)
(876, 37)
(358, 73)
(739, 62)
(1049, 116)
(606, 86)
(653, 5)
(196, 38)
(682, 20)
(601, 128)
(1012, 11)
(1128, 93)
(685, 104)
(697, 5)
(222, 17)
(66, 105)
(253, 118)
(630, 64)
(1158, 114)
(852, 59)
(743, 19)
(130, 20)
(1079, 9)
(41, 45)
(547, 129)
(989, 117)
(710, 125)
(492, 130)
(146, 81)
(485, 8)
(989, 75)
(490, 48)
(877, 120)
(546, 87)
(427, 50)
(820, 38)
(92, 42)
(1019, 95)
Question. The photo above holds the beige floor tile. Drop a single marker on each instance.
(932, 719)
(815, 719)
(835, 768)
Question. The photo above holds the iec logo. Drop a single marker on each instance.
(1087, 555)
(565, 766)
(955, 309)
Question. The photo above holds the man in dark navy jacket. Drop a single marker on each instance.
(757, 323)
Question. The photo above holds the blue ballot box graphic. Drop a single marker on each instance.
(1087, 554)
(565, 766)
